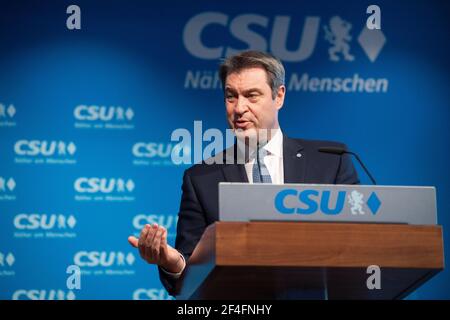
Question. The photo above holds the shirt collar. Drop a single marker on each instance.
(274, 146)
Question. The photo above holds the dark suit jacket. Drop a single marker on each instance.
(199, 202)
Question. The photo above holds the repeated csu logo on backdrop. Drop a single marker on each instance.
(50, 226)
(45, 152)
(103, 117)
(7, 115)
(7, 260)
(167, 221)
(43, 294)
(157, 153)
(151, 294)
(309, 202)
(108, 263)
(335, 36)
(104, 189)
(7, 187)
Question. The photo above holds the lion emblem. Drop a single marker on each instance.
(338, 34)
(355, 199)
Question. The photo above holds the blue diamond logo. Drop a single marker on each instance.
(373, 203)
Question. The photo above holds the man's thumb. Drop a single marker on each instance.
(133, 241)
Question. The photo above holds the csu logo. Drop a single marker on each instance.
(103, 259)
(39, 294)
(242, 28)
(7, 112)
(103, 113)
(103, 185)
(44, 148)
(25, 221)
(151, 294)
(152, 149)
(6, 259)
(153, 153)
(169, 222)
(7, 115)
(290, 201)
(7, 184)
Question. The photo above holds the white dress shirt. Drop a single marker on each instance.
(273, 160)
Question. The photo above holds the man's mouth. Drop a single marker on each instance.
(241, 124)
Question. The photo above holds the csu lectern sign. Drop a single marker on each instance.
(318, 202)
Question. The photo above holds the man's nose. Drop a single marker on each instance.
(241, 105)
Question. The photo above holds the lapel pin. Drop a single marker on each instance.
(299, 155)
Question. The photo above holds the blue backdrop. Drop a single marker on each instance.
(86, 117)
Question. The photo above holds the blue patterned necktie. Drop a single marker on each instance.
(260, 172)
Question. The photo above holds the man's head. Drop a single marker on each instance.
(254, 90)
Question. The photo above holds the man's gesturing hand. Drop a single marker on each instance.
(153, 248)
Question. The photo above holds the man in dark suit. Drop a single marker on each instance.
(254, 91)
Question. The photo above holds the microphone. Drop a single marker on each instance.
(341, 151)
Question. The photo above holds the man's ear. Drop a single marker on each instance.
(279, 98)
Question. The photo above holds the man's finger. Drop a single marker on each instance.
(154, 230)
(149, 236)
(143, 234)
(156, 244)
(133, 241)
(142, 239)
(163, 237)
(149, 243)
(164, 250)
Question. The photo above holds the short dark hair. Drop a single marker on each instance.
(250, 59)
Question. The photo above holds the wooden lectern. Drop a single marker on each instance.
(295, 260)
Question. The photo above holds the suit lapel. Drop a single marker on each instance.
(232, 171)
(294, 161)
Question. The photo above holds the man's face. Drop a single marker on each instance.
(249, 103)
